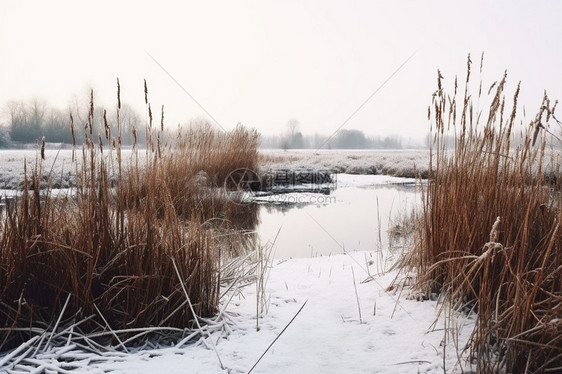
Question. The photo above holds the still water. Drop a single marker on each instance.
(350, 219)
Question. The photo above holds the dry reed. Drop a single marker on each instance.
(108, 254)
(489, 236)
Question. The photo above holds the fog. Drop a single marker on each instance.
(261, 63)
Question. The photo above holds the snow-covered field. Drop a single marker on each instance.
(344, 317)
(58, 166)
(399, 163)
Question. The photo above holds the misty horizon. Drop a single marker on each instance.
(263, 63)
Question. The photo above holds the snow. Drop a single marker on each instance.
(353, 180)
(58, 166)
(399, 163)
(392, 334)
(329, 335)
(338, 181)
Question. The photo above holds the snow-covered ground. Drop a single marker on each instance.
(353, 180)
(399, 163)
(57, 166)
(332, 333)
(337, 330)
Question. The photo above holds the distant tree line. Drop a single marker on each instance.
(29, 122)
(343, 139)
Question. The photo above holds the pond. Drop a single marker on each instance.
(355, 216)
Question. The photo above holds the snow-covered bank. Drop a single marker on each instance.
(57, 167)
(398, 163)
(61, 170)
(354, 180)
(384, 333)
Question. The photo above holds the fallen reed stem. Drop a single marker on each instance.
(277, 337)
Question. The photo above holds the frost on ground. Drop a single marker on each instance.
(337, 331)
(398, 163)
(58, 167)
(61, 170)
(351, 180)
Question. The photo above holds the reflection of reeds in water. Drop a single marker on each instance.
(114, 244)
(489, 236)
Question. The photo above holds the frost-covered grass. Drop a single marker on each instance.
(58, 166)
(398, 163)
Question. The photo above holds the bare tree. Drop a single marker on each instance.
(130, 119)
(37, 110)
(56, 126)
(18, 117)
(293, 127)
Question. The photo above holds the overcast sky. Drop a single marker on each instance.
(262, 63)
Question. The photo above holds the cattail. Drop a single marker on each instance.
(118, 94)
(162, 119)
(134, 137)
(25, 179)
(105, 125)
(91, 113)
(72, 130)
(145, 92)
(43, 148)
(73, 136)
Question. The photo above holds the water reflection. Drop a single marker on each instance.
(350, 221)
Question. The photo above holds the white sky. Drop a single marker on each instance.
(263, 62)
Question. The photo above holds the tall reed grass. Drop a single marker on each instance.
(489, 236)
(105, 256)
